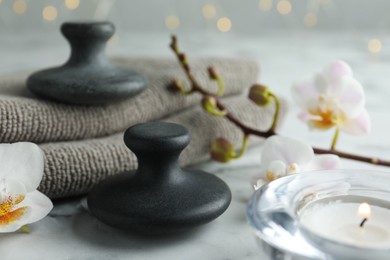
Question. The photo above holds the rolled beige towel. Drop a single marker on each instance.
(24, 117)
(72, 168)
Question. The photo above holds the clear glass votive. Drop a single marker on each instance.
(315, 215)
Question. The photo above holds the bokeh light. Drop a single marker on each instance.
(49, 13)
(310, 20)
(19, 7)
(209, 11)
(284, 7)
(172, 22)
(72, 4)
(374, 46)
(224, 24)
(265, 5)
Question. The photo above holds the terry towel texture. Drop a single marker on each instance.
(24, 117)
(72, 168)
(84, 144)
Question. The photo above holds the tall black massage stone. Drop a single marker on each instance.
(159, 197)
(87, 78)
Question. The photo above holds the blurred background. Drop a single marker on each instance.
(143, 26)
(229, 16)
(290, 39)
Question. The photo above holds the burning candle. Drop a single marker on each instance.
(365, 212)
(338, 215)
(344, 219)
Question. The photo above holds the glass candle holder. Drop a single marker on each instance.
(338, 214)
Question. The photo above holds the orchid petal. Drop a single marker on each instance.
(34, 207)
(304, 91)
(352, 98)
(358, 125)
(14, 187)
(22, 161)
(324, 162)
(306, 116)
(339, 102)
(286, 150)
(321, 84)
(336, 70)
(259, 183)
(277, 168)
(21, 214)
(40, 206)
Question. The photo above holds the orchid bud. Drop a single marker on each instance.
(212, 73)
(222, 150)
(209, 104)
(260, 94)
(176, 86)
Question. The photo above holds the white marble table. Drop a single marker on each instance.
(69, 232)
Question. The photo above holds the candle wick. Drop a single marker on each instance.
(363, 221)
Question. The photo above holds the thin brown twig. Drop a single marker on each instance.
(196, 87)
(354, 157)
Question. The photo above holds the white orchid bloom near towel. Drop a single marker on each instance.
(21, 171)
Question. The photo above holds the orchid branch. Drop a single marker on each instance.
(222, 150)
(196, 87)
(354, 157)
(244, 146)
(218, 79)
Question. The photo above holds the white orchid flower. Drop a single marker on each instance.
(282, 156)
(259, 183)
(333, 98)
(21, 171)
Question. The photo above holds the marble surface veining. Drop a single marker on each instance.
(69, 232)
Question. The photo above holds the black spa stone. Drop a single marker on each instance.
(159, 197)
(87, 78)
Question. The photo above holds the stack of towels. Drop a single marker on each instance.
(84, 144)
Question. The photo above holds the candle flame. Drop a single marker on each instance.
(364, 210)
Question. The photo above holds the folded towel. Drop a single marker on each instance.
(72, 168)
(24, 117)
